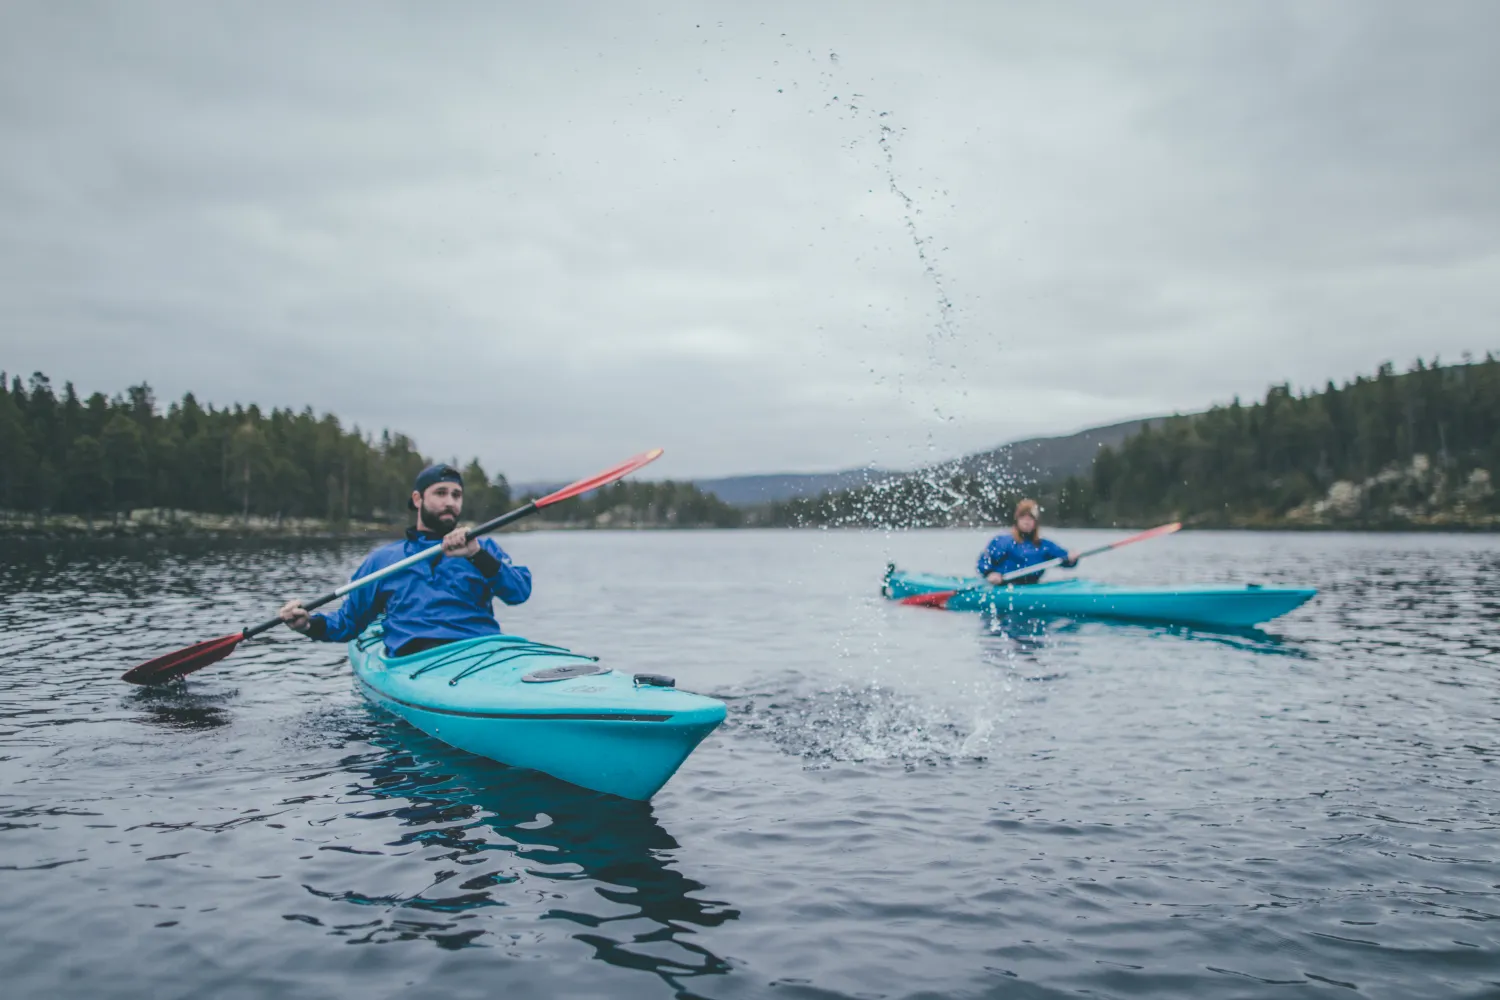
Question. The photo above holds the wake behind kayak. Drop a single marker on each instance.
(542, 707)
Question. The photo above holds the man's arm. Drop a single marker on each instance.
(350, 619)
(510, 583)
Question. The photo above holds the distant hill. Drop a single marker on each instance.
(747, 491)
(1032, 459)
(1043, 459)
(1414, 450)
(1036, 459)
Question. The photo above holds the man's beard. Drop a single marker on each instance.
(438, 523)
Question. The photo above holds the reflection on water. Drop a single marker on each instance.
(177, 706)
(1020, 635)
(495, 832)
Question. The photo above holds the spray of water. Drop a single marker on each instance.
(963, 492)
(866, 720)
(855, 723)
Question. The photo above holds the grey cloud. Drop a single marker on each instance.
(552, 236)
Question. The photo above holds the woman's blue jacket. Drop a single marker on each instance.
(1004, 554)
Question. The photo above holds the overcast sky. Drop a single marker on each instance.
(551, 235)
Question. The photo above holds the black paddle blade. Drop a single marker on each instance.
(184, 661)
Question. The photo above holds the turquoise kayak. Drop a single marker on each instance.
(1217, 607)
(528, 704)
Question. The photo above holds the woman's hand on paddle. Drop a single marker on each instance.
(458, 544)
(295, 615)
(996, 578)
(1070, 561)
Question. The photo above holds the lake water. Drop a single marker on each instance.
(903, 802)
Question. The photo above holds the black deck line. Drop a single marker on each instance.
(571, 716)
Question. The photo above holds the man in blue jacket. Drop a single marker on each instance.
(1020, 547)
(431, 603)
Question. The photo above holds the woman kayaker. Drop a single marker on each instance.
(1020, 547)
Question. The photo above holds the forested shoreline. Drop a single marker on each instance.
(125, 465)
(1418, 449)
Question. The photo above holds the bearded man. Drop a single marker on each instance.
(427, 605)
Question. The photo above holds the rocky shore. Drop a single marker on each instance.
(159, 523)
(152, 523)
(1419, 494)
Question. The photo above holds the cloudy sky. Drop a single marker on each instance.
(767, 237)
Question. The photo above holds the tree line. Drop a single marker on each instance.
(633, 503)
(1381, 450)
(62, 453)
(1408, 441)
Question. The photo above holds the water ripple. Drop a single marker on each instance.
(903, 803)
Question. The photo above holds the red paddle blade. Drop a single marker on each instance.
(604, 478)
(1165, 529)
(936, 599)
(184, 661)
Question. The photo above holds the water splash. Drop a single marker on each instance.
(864, 723)
(957, 492)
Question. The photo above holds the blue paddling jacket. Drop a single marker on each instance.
(1005, 554)
(445, 599)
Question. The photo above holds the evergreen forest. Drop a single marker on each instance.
(98, 456)
(1417, 448)
(1412, 449)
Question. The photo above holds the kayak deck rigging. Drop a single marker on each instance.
(482, 657)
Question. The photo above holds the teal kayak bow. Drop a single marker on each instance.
(533, 705)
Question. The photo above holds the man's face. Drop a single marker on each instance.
(440, 506)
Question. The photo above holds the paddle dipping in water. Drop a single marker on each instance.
(424, 644)
(1214, 606)
(196, 657)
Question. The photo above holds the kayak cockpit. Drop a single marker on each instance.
(473, 656)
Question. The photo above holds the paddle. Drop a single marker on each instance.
(940, 598)
(200, 655)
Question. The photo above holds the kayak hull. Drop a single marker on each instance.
(1215, 607)
(602, 731)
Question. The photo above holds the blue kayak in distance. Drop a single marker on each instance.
(528, 704)
(1211, 606)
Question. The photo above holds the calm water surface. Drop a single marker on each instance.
(903, 802)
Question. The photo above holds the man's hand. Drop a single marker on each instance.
(457, 543)
(296, 616)
(996, 578)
